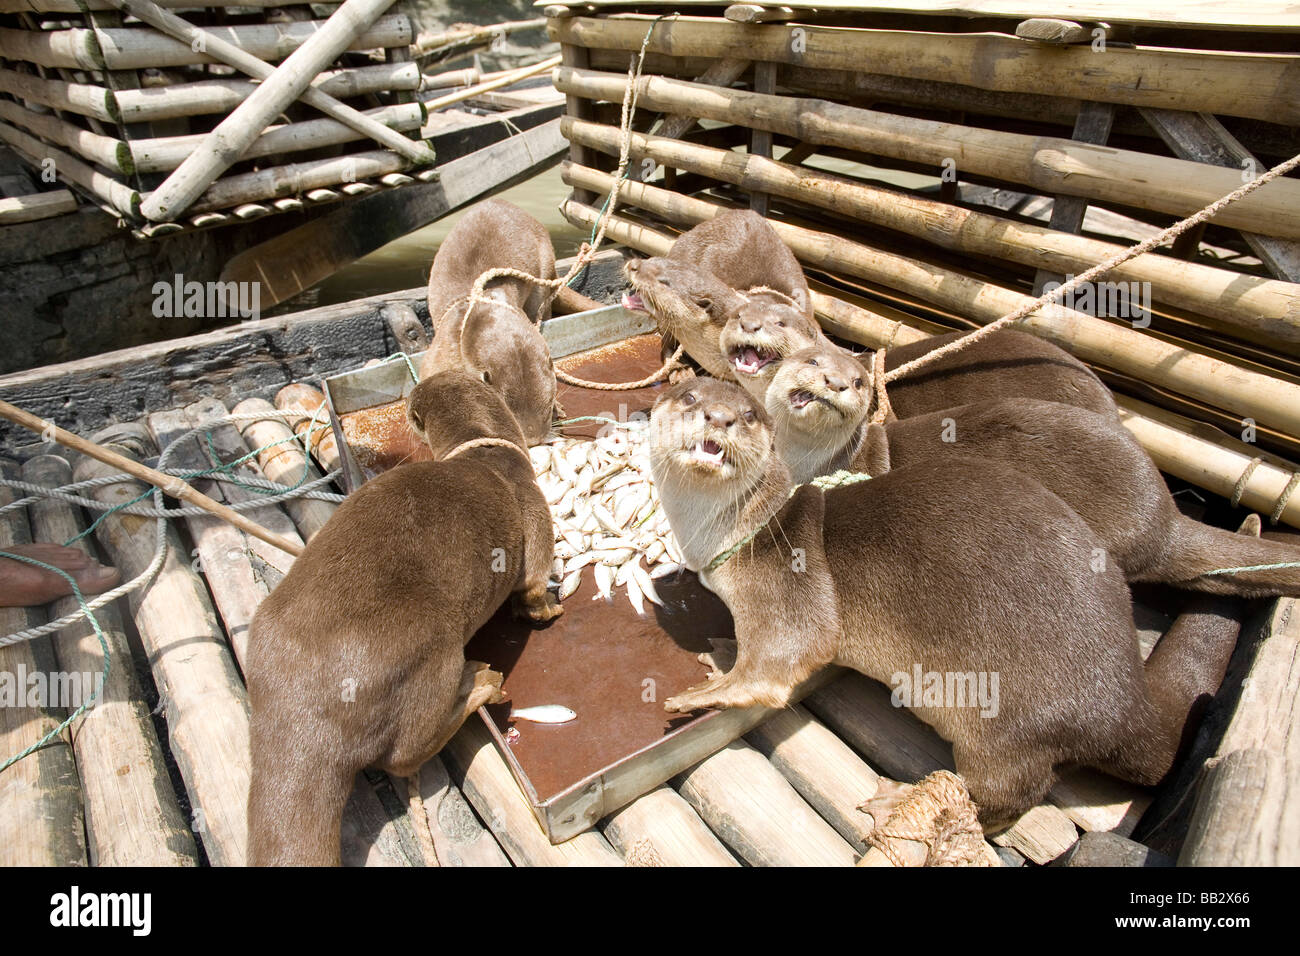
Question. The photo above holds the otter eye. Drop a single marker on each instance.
(688, 399)
(749, 416)
(812, 362)
(857, 383)
(780, 323)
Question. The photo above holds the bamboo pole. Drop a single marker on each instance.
(1265, 310)
(245, 62)
(452, 78)
(295, 179)
(41, 822)
(1267, 400)
(284, 463)
(36, 206)
(1051, 165)
(81, 6)
(323, 446)
(233, 135)
(487, 783)
(83, 98)
(131, 820)
(239, 572)
(133, 49)
(105, 150)
(169, 152)
(1260, 86)
(123, 199)
(755, 811)
(223, 95)
(458, 837)
(663, 826)
(173, 487)
(203, 699)
(510, 78)
(426, 44)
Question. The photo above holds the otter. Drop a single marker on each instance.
(498, 339)
(357, 658)
(963, 567)
(704, 280)
(1089, 459)
(765, 329)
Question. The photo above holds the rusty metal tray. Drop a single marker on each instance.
(611, 667)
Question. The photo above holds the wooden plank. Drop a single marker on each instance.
(663, 827)
(36, 206)
(822, 768)
(132, 817)
(1202, 138)
(1263, 87)
(1244, 815)
(756, 812)
(576, 57)
(1049, 164)
(1092, 125)
(487, 783)
(301, 257)
(760, 143)
(41, 821)
(203, 699)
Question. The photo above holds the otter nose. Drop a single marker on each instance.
(751, 324)
(719, 416)
(834, 382)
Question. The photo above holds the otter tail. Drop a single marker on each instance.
(1202, 558)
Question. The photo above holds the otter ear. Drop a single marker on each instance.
(416, 421)
(486, 376)
(705, 302)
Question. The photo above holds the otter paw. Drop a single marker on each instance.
(486, 688)
(539, 609)
(699, 697)
(721, 659)
(558, 411)
(680, 374)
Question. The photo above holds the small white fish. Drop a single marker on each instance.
(570, 584)
(604, 582)
(607, 520)
(553, 491)
(642, 579)
(585, 477)
(540, 456)
(663, 570)
(578, 562)
(634, 595)
(545, 714)
(561, 466)
(652, 551)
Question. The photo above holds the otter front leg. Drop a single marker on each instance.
(750, 682)
(533, 600)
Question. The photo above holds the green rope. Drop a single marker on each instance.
(565, 423)
(835, 479)
(103, 645)
(1254, 567)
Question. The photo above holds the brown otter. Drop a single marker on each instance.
(966, 567)
(1090, 460)
(693, 291)
(357, 658)
(498, 339)
(765, 329)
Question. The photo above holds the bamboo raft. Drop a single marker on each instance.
(1056, 169)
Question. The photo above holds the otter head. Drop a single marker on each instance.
(711, 444)
(818, 401)
(453, 406)
(679, 296)
(766, 328)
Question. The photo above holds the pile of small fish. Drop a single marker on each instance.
(606, 514)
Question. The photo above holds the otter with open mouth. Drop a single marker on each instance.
(762, 332)
(818, 404)
(695, 290)
(962, 567)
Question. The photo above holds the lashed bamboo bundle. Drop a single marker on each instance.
(1260, 86)
(1049, 164)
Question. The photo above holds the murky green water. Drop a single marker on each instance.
(404, 263)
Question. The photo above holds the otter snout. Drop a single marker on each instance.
(719, 416)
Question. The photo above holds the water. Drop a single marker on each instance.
(404, 263)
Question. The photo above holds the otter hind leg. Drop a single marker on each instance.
(297, 791)
(1195, 549)
(1004, 782)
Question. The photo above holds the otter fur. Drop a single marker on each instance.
(356, 659)
(498, 338)
(967, 566)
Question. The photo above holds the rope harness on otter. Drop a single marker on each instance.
(835, 479)
(482, 443)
